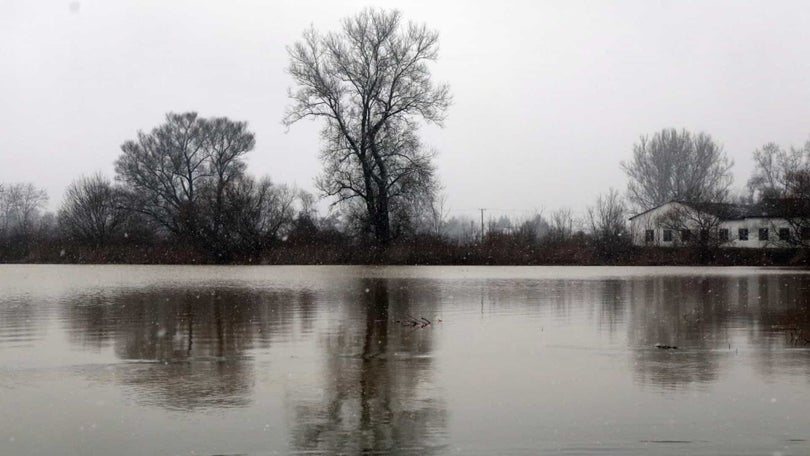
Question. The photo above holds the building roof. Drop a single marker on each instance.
(769, 208)
(724, 211)
(781, 208)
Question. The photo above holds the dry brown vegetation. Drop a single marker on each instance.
(496, 250)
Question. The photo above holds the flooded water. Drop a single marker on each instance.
(132, 360)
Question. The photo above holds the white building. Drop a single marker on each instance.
(766, 225)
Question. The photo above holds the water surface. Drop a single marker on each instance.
(134, 360)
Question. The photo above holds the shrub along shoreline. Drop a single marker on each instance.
(415, 252)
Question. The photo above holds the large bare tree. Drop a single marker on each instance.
(677, 165)
(178, 173)
(371, 84)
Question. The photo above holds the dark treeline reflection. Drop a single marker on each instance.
(193, 343)
(710, 319)
(377, 392)
(195, 348)
(360, 381)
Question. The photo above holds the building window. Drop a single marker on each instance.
(763, 234)
(686, 235)
(649, 235)
(667, 235)
(723, 234)
(742, 233)
(784, 234)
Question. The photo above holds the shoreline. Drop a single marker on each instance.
(413, 253)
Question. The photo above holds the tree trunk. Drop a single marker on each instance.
(382, 219)
(384, 227)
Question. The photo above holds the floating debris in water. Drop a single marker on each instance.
(412, 322)
(796, 336)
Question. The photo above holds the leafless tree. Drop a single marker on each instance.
(776, 171)
(20, 206)
(438, 214)
(182, 166)
(308, 226)
(562, 225)
(499, 225)
(533, 229)
(47, 227)
(607, 219)
(93, 209)
(608, 226)
(163, 170)
(277, 209)
(257, 213)
(795, 207)
(226, 142)
(424, 214)
(5, 210)
(681, 166)
(461, 230)
(307, 202)
(780, 184)
(371, 84)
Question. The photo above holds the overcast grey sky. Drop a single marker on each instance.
(549, 97)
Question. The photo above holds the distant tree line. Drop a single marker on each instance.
(184, 185)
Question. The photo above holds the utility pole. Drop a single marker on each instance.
(482, 225)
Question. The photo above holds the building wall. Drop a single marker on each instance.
(651, 221)
(753, 226)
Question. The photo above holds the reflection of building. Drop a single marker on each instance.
(768, 224)
(677, 311)
(709, 318)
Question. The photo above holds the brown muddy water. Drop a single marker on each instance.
(129, 360)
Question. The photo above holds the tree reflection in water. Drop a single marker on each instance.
(785, 308)
(352, 380)
(188, 348)
(377, 393)
(193, 349)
